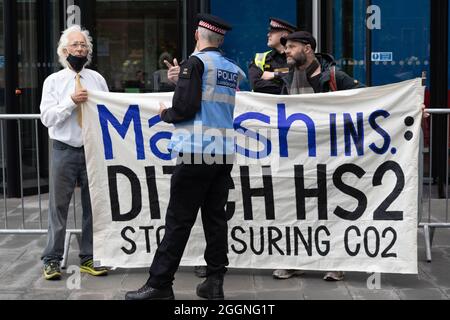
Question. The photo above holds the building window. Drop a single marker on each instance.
(133, 38)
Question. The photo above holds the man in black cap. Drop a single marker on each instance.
(267, 68)
(311, 73)
(204, 99)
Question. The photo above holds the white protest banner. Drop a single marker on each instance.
(321, 181)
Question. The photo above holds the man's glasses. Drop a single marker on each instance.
(76, 45)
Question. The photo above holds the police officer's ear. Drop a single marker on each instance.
(196, 36)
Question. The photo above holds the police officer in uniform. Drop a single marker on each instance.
(266, 70)
(204, 96)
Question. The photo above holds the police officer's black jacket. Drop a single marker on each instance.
(187, 98)
(321, 82)
(275, 61)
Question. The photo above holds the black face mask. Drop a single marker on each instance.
(77, 63)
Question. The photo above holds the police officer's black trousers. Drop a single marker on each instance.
(194, 186)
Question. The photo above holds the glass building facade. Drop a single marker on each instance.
(404, 32)
(377, 42)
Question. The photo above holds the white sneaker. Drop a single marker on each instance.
(286, 274)
(334, 276)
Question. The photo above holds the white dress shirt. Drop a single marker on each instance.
(58, 111)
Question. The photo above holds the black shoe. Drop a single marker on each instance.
(52, 270)
(200, 271)
(149, 293)
(211, 288)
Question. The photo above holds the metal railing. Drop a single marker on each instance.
(434, 218)
(41, 229)
(431, 222)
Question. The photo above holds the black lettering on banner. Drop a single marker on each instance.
(158, 235)
(321, 252)
(346, 241)
(385, 253)
(349, 190)
(124, 236)
(153, 199)
(373, 244)
(307, 244)
(261, 241)
(320, 192)
(147, 237)
(233, 236)
(288, 241)
(377, 242)
(272, 241)
(266, 191)
(136, 200)
(381, 212)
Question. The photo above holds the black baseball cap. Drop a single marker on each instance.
(300, 36)
(213, 23)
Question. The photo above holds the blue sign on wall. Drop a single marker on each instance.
(382, 56)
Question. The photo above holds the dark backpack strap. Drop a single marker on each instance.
(333, 83)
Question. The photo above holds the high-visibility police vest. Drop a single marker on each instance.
(260, 59)
(211, 131)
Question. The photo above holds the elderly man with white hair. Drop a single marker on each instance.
(62, 96)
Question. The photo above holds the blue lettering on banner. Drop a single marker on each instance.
(132, 114)
(333, 135)
(375, 126)
(227, 78)
(157, 137)
(254, 135)
(284, 125)
(353, 131)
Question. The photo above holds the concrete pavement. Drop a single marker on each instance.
(21, 273)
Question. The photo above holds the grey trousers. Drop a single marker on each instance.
(67, 167)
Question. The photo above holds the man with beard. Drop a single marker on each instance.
(311, 73)
(62, 96)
